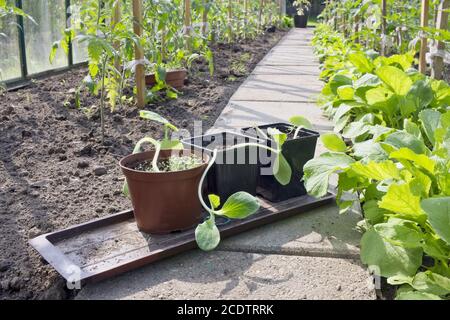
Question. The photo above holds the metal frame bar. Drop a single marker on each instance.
(15, 83)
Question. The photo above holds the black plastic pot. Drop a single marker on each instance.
(301, 21)
(234, 170)
(297, 152)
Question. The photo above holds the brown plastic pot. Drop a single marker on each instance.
(174, 78)
(164, 202)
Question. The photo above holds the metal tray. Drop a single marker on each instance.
(112, 245)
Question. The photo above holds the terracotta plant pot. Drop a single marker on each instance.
(164, 202)
(174, 79)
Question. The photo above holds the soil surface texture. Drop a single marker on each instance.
(54, 171)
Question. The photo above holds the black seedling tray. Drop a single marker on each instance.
(296, 151)
(234, 170)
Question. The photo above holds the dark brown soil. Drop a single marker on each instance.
(55, 173)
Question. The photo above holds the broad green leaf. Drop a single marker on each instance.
(355, 129)
(418, 159)
(214, 200)
(167, 144)
(369, 150)
(421, 94)
(373, 212)
(239, 205)
(339, 80)
(438, 212)
(342, 110)
(396, 79)
(367, 80)
(412, 128)
(387, 259)
(399, 232)
(380, 171)
(300, 121)
(400, 199)
(282, 170)
(150, 115)
(430, 122)
(416, 295)
(401, 139)
(278, 136)
(207, 235)
(378, 95)
(333, 142)
(360, 61)
(317, 171)
(346, 93)
(403, 60)
(430, 282)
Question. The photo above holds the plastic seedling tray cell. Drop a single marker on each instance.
(297, 152)
(234, 170)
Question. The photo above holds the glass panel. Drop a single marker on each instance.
(50, 16)
(9, 49)
(79, 49)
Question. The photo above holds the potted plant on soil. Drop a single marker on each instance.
(166, 184)
(297, 144)
(302, 11)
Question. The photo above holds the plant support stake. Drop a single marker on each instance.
(139, 54)
(423, 39)
(438, 56)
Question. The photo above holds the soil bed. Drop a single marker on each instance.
(55, 173)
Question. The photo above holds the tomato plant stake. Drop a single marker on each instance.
(115, 20)
(139, 54)
(187, 23)
(441, 24)
(383, 26)
(423, 39)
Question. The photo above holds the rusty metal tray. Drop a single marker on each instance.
(108, 246)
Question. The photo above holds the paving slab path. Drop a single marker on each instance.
(314, 255)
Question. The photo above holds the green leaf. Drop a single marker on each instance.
(150, 115)
(207, 235)
(387, 259)
(430, 282)
(397, 80)
(438, 212)
(373, 212)
(380, 171)
(346, 92)
(367, 80)
(355, 129)
(416, 295)
(378, 95)
(214, 200)
(300, 121)
(167, 144)
(401, 139)
(333, 142)
(400, 199)
(360, 61)
(278, 136)
(418, 159)
(412, 128)
(282, 170)
(421, 93)
(317, 171)
(369, 150)
(430, 122)
(339, 80)
(239, 205)
(400, 232)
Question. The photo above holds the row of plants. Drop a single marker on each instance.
(390, 150)
(221, 173)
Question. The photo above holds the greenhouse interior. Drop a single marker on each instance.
(303, 148)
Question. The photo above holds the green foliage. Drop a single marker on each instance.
(397, 162)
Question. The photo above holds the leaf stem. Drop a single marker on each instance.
(200, 196)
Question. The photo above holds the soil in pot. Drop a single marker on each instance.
(174, 78)
(297, 152)
(234, 170)
(165, 201)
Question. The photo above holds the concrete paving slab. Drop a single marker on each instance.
(239, 114)
(311, 70)
(282, 88)
(322, 232)
(289, 58)
(235, 275)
